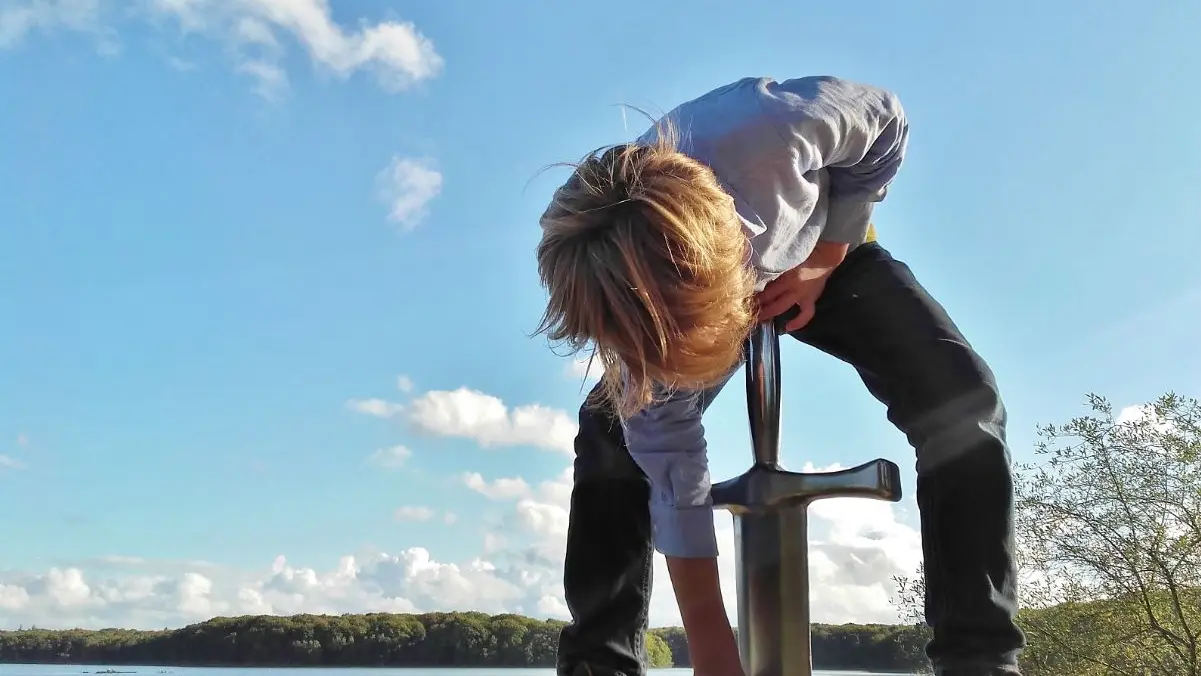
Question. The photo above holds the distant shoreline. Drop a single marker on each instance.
(141, 668)
(470, 640)
(162, 668)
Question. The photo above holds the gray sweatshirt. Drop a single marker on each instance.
(805, 160)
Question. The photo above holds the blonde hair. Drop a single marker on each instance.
(644, 260)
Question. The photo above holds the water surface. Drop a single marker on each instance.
(77, 670)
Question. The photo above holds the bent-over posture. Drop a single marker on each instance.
(752, 203)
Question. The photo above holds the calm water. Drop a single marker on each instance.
(55, 670)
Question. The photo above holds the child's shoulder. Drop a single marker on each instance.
(729, 102)
(717, 121)
(749, 95)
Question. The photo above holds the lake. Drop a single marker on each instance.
(76, 670)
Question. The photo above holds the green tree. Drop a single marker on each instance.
(658, 654)
(677, 642)
(1109, 533)
(1111, 527)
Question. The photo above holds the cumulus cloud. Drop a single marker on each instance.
(483, 418)
(409, 581)
(856, 547)
(582, 367)
(407, 186)
(378, 408)
(391, 457)
(500, 489)
(1144, 414)
(1134, 414)
(256, 33)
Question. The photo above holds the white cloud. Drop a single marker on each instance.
(485, 419)
(582, 367)
(271, 82)
(1144, 414)
(470, 414)
(409, 581)
(8, 462)
(493, 543)
(13, 597)
(391, 457)
(255, 32)
(118, 560)
(378, 408)
(181, 65)
(404, 383)
(414, 514)
(501, 489)
(126, 562)
(1134, 414)
(19, 19)
(407, 186)
(543, 518)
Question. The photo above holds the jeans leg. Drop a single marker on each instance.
(875, 316)
(607, 568)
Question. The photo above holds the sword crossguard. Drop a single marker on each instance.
(768, 485)
(774, 488)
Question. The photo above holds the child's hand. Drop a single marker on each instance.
(720, 658)
(801, 286)
(732, 667)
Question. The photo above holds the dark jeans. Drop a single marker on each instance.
(875, 316)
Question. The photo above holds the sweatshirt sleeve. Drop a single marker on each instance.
(667, 440)
(857, 132)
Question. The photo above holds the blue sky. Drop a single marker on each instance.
(227, 227)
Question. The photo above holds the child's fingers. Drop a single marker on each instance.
(776, 308)
(771, 292)
(775, 299)
(797, 323)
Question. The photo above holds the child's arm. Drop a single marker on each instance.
(857, 132)
(667, 440)
(711, 645)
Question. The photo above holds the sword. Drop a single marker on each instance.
(770, 509)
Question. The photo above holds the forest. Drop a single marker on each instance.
(465, 639)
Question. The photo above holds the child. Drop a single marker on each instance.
(750, 203)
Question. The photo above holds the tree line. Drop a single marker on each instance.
(466, 639)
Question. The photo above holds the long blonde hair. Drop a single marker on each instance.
(644, 260)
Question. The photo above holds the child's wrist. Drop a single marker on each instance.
(827, 254)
